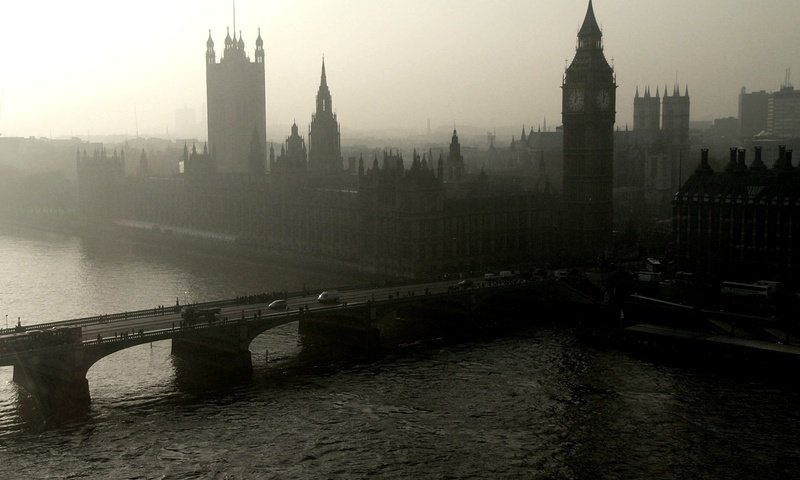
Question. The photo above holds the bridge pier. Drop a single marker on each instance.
(56, 380)
(352, 332)
(218, 349)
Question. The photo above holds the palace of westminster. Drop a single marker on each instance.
(425, 216)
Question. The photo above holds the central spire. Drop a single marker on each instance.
(323, 79)
(589, 26)
(590, 36)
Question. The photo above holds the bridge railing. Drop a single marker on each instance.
(241, 300)
(365, 300)
(173, 309)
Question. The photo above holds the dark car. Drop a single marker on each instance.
(465, 283)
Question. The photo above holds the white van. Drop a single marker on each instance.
(328, 296)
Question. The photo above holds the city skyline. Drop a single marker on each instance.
(391, 66)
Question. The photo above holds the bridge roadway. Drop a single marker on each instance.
(166, 322)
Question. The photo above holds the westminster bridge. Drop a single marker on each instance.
(51, 360)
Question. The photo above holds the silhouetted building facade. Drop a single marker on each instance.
(647, 117)
(742, 223)
(753, 108)
(413, 225)
(455, 161)
(101, 181)
(667, 138)
(293, 155)
(324, 137)
(588, 111)
(392, 219)
(237, 118)
(783, 113)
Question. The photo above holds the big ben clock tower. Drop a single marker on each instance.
(588, 101)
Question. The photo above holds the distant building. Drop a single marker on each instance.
(753, 108)
(773, 115)
(588, 106)
(647, 117)
(293, 155)
(324, 137)
(725, 128)
(455, 161)
(661, 146)
(237, 114)
(101, 180)
(675, 118)
(742, 223)
(783, 113)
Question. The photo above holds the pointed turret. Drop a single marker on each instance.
(323, 81)
(590, 36)
(637, 91)
(259, 48)
(589, 26)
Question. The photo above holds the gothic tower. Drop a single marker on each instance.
(646, 117)
(675, 132)
(324, 149)
(588, 110)
(237, 112)
(675, 120)
(455, 162)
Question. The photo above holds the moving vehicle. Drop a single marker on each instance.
(279, 304)
(328, 297)
(35, 339)
(465, 283)
(193, 315)
(745, 290)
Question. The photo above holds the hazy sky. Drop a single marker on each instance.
(69, 67)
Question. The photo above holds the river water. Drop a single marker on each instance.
(538, 403)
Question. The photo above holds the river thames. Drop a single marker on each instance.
(539, 402)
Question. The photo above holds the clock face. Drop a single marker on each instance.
(575, 100)
(603, 99)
